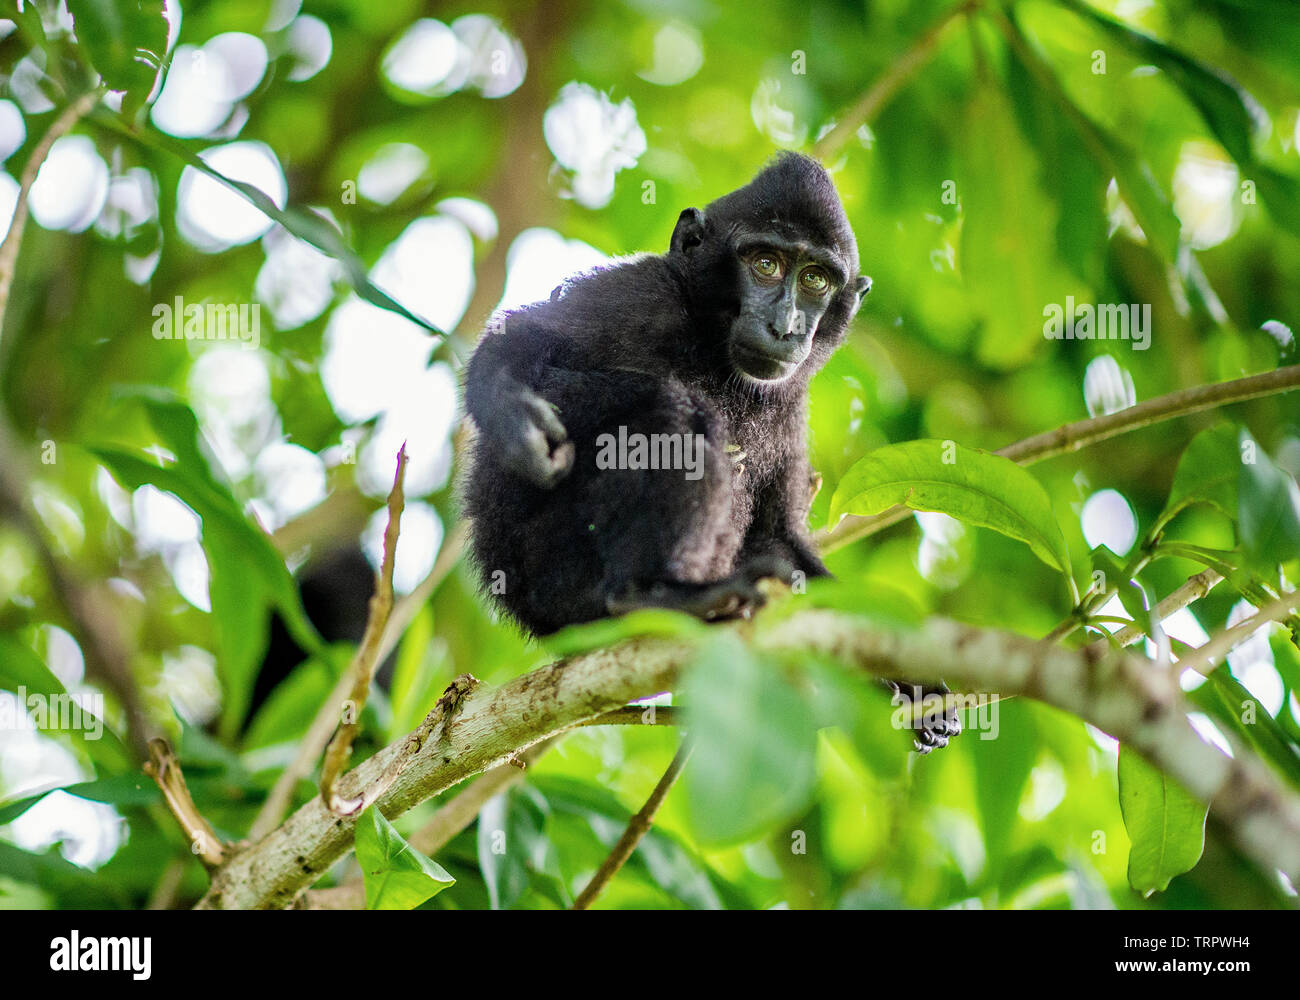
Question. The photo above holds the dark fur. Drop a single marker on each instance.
(643, 343)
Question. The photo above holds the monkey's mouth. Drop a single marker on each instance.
(761, 366)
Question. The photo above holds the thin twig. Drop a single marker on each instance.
(62, 125)
(165, 770)
(1208, 656)
(1083, 433)
(638, 826)
(366, 661)
(637, 715)
(887, 85)
(322, 726)
(1193, 590)
(91, 623)
(168, 886)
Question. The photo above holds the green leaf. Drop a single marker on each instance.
(755, 743)
(1077, 182)
(76, 888)
(1207, 473)
(1002, 768)
(972, 486)
(1166, 826)
(861, 708)
(1281, 194)
(124, 790)
(21, 667)
(419, 675)
(246, 575)
(1221, 102)
(125, 40)
(1227, 108)
(1132, 595)
(1137, 185)
(288, 711)
(1007, 218)
(397, 876)
(575, 639)
(595, 818)
(513, 844)
(178, 428)
(1224, 699)
(303, 223)
(1269, 502)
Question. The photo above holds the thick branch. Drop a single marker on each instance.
(1115, 691)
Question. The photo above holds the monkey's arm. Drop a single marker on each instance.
(780, 529)
(779, 525)
(517, 427)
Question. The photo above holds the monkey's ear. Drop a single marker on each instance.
(689, 231)
(864, 286)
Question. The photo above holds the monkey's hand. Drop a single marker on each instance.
(529, 439)
(936, 726)
(736, 596)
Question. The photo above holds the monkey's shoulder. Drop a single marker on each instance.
(624, 285)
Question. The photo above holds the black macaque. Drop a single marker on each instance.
(642, 434)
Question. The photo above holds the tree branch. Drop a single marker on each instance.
(91, 623)
(888, 84)
(366, 661)
(458, 813)
(1193, 590)
(1208, 656)
(165, 770)
(1115, 691)
(638, 826)
(1083, 433)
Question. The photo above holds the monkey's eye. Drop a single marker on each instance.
(766, 266)
(814, 280)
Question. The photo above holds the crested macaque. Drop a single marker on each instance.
(642, 435)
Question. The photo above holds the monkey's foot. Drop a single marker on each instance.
(737, 596)
(935, 726)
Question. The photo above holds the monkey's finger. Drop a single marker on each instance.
(535, 460)
(544, 417)
(767, 566)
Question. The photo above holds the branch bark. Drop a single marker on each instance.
(1117, 692)
(165, 770)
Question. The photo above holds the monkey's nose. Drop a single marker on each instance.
(792, 332)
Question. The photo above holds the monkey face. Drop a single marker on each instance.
(785, 288)
(777, 263)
